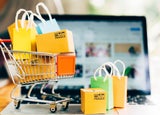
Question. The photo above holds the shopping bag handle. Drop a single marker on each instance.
(37, 16)
(22, 21)
(45, 8)
(114, 69)
(31, 18)
(99, 69)
(123, 65)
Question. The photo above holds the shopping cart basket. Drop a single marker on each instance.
(33, 68)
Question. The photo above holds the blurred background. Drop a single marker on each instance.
(148, 8)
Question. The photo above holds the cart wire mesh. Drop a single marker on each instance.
(32, 68)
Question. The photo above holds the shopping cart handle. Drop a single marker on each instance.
(5, 40)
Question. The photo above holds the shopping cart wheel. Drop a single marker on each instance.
(53, 108)
(65, 105)
(17, 103)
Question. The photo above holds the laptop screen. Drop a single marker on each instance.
(99, 39)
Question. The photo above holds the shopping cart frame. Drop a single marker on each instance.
(22, 75)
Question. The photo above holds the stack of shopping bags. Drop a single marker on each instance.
(112, 82)
(45, 37)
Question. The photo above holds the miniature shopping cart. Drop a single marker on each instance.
(34, 68)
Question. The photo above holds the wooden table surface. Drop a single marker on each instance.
(5, 95)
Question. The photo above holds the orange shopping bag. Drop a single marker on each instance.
(119, 86)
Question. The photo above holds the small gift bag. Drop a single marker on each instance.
(46, 26)
(12, 26)
(119, 85)
(23, 34)
(23, 37)
(104, 82)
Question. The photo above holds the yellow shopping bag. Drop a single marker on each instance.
(93, 100)
(119, 86)
(23, 34)
(24, 39)
(55, 42)
(12, 26)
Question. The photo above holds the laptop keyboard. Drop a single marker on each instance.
(138, 99)
(132, 100)
(75, 96)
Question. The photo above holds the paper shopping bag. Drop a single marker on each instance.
(23, 36)
(106, 84)
(119, 86)
(46, 26)
(120, 91)
(12, 26)
(24, 39)
(93, 100)
(55, 42)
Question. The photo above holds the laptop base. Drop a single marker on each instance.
(43, 109)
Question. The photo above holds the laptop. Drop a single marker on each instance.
(113, 37)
